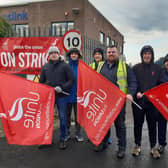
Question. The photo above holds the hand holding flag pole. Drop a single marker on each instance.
(130, 98)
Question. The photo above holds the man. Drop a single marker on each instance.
(166, 68)
(123, 77)
(162, 122)
(58, 74)
(148, 75)
(73, 57)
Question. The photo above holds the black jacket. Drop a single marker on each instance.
(57, 73)
(148, 76)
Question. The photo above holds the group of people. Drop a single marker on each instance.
(132, 81)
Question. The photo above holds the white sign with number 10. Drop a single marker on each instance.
(72, 39)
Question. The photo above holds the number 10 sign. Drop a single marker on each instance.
(72, 39)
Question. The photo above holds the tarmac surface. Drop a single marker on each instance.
(80, 155)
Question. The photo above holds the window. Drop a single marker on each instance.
(22, 30)
(59, 28)
(121, 49)
(113, 42)
(102, 37)
(108, 40)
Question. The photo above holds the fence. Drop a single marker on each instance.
(88, 44)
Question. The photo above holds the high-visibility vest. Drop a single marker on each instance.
(93, 64)
(121, 75)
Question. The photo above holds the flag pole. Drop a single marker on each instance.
(66, 93)
(136, 104)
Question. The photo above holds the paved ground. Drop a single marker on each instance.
(79, 155)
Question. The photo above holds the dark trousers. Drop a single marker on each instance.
(121, 129)
(69, 112)
(151, 117)
(162, 129)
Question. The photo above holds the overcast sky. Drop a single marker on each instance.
(140, 21)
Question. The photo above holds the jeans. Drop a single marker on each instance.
(61, 103)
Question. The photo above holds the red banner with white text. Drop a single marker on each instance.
(26, 110)
(99, 103)
(26, 55)
(159, 97)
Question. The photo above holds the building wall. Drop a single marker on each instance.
(90, 22)
(97, 23)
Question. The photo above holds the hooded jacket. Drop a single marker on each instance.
(147, 75)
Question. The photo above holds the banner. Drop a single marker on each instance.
(26, 55)
(99, 103)
(26, 110)
(159, 98)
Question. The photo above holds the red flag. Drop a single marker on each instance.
(159, 97)
(26, 109)
(99, 103)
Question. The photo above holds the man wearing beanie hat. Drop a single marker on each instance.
(148, 75)
(98, 57)
(73, 56)
(58, 74)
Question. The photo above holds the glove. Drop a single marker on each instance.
(58, 89)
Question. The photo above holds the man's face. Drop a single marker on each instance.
(147, 56)
(166, 65)
(112, 54)
(74, 56)
(54, 56)
(98, 57)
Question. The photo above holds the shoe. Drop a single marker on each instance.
(79, 138)
(63, 145)
(121, 154)
(136, 151)
(155, 153)
(45, 146)
(109, 141)
(161, 149)
(68, 137)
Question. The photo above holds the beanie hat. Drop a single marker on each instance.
(147, 48)
(53, 49)
(98, 50)
(74, 50)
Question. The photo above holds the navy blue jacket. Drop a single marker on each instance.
(111, 74)
(165, 75)
(57, 73)
(72, 98)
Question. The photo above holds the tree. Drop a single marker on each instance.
(5, 28)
